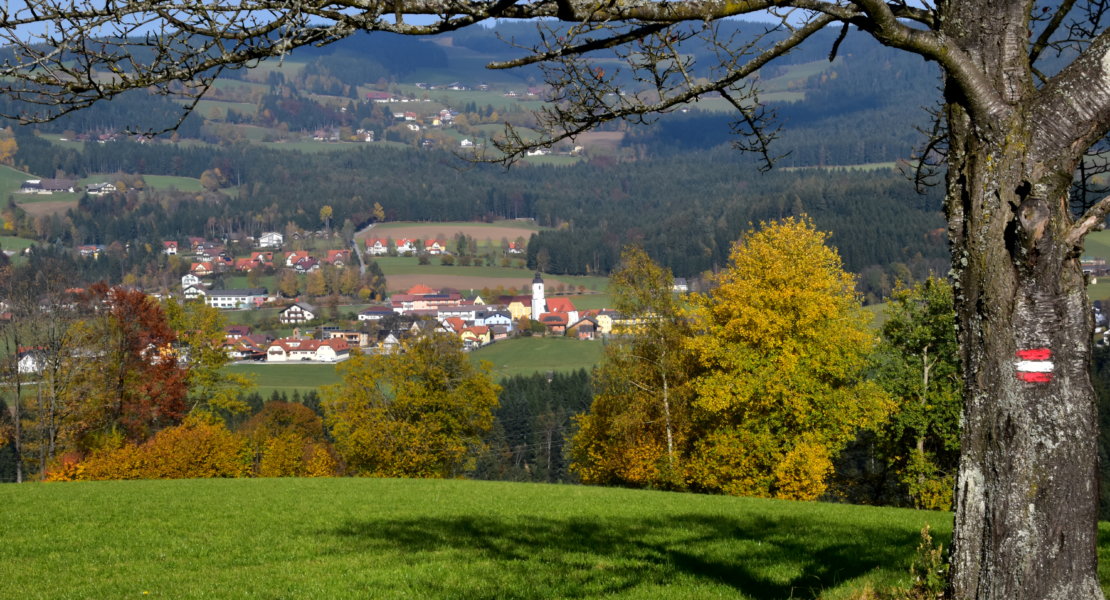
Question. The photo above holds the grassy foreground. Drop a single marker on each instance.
(375, 538)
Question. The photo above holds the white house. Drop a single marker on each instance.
(99, 189)
(296, 349)
(271, 239)
(245, 298)
(31, 361)
(377, 246)
(194, 291)
(189, 279)
(298, 313)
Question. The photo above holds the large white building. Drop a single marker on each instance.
(248, 298)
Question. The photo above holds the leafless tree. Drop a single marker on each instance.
(1015, 133)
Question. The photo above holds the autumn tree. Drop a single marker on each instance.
(917, 363)
(288, 440)
(1024, 98)
(126, 382)
(325, 216)
(784, 343)
(201, 447)
(638, 428)
(422, 412)
(200, 335)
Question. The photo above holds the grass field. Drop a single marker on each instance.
(10, 181)
(447, 230)
(383, 538)
(286, 377)
(525, 356)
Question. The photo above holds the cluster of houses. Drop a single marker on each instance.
(416, 312)
(210, 257)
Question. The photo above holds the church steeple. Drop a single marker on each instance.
(539, 304)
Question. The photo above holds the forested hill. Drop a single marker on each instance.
(686, 209)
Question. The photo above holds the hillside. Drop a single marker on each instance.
(374, 538)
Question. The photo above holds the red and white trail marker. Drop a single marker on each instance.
(1034, 365)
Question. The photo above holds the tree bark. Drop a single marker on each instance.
(1026, 496)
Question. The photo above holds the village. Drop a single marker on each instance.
(381, 327)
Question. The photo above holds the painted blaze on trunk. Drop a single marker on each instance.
(1026, 494)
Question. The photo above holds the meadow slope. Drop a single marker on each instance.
(379, 538)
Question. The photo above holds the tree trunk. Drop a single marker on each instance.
(1026, 496)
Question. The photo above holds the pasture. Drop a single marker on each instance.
(528, 355)
(481, 232)
(286, 377)
(385, 538)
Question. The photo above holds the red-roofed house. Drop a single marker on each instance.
(377, 246)
(556, 323)
(435, 247)
(169, 248)
(473, 337)
(338, 258)
(291, 258)
(201, 269)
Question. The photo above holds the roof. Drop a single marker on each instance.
(421, 290)
(240, 292)
(305, 306)
(289, 344)
(538, 278)
(560, 305)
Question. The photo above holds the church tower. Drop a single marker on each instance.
(539, 305)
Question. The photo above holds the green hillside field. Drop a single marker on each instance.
(384, 538)
(528, 355)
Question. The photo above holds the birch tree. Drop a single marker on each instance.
(1012, 135)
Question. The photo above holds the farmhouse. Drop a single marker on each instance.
(100, 189)
(47, 186)
(169, 247)
(299, 312)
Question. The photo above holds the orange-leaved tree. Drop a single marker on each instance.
(201, 447)
(125, 378)
(783, 344)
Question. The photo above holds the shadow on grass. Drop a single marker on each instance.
(763, 557)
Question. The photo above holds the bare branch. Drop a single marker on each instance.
(1090, 221)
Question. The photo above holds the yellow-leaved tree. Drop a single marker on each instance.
(783, 344)
(637, 430)
(422, 412)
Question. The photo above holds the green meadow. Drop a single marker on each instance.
(450, 539)
(528, 355)
(286, 377)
